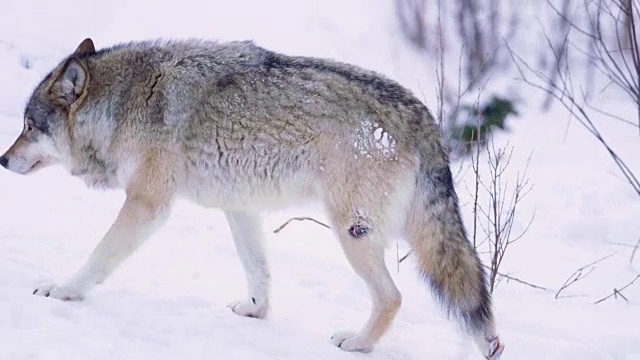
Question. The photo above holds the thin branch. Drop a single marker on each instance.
(608, 114)
(300, 219)
(579, 113)
(633, 253)
(617, 292)
(523, 282)
(620, 244)
(579, 275)
(404, 257)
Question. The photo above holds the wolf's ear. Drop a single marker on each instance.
(70, 84)
(85, 47)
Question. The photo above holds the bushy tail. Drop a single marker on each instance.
(445, 258)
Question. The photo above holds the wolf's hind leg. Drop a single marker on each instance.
(245, 229)
(364, 248)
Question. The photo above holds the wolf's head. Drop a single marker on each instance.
(45, 136)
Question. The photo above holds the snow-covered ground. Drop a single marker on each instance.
(169, 300)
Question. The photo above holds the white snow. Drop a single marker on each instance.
(169, 300)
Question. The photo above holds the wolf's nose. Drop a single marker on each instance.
(4, 161)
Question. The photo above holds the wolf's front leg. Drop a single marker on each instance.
(245, 229)
(144, 210)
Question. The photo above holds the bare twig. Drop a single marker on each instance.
(564, 94)
(523, 282)
(619, 244)
(300, 219)
(404, 257)
(633, 253)
(518, 280)
(613, 50)
(503, 202)
(578, 275)
(633, 246)
(618, 292)
(559, 50)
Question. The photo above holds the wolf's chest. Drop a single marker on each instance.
(94, 169)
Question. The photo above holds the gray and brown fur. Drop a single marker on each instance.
(244, 129)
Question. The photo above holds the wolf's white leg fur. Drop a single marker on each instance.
(365, 252)
(135, 222)
(246, 230)
(367, 259)
(146, 207)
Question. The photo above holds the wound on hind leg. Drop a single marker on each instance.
(360, 225)
(358, 230)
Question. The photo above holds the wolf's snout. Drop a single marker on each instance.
(4, 161)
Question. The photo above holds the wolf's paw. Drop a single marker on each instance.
(250, 308)
(350, 341)
(65, 293)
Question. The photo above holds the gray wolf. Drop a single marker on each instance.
(244, 129)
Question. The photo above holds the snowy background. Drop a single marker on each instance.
(169, 300)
